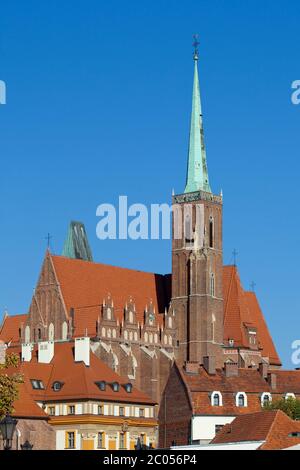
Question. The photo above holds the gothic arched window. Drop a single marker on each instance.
(212, 284)
(51, 332)
(27, 334)
(211, 232)
(64, 331)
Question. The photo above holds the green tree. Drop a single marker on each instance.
(9, 385)
(290, 406)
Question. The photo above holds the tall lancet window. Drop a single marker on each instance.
(188, 229)
(212, 285)
(211, 232)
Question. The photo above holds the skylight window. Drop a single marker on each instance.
(37, 384)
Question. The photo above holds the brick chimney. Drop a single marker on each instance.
(263, 369)
(209, 364)
(231, 369)
(272, 381)
(191, 367)
(82, 350)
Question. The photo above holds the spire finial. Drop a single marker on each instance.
(197, 174)
(195, 45)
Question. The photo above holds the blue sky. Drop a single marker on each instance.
(98, 105)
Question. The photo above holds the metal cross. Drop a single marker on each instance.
(234, 253)
(48, 238)
(252, 285)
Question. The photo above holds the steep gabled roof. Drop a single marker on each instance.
(85, 284)
(9, 330)
(78, 379)
(273, 427)
(241, 308)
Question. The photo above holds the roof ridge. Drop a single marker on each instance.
(232, 268)
(277, 413)
(107, 265)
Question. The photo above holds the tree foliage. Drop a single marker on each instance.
(290, 406)
(9, 384)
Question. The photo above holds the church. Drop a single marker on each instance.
(194, 341)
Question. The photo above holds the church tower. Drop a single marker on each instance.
(197, 262)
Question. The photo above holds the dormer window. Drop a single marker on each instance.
(57, 386)
(290, 396)
(266, 398)
(115, 386)
(128, 387)
(241, 400)
(101, 385)
(37, 384)
(216, 399)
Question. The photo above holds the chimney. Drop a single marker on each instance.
(45, 351)
(3, 348)
(272, 381)
(82, 350)
(209, 364)
(192, 367)
(26, 354)
(231, 369)
(263, 369)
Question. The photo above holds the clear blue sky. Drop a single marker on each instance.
(98, 104)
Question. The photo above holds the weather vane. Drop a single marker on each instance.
(195, 45)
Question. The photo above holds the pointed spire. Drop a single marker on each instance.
(197, 174)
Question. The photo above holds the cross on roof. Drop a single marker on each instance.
(234, 254)
(48, 238)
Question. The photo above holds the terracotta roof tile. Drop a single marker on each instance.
(273, 427)
(250, 381)
(78, 379)
(9, 330)
(242, 308)
(85, 284)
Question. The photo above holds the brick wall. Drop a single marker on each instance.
(175, 412)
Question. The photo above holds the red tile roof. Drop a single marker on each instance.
(242, 308)
(85, 284)
(9, 330)
(273, 427)
(26, 407)
(78, 379)
(250, 381)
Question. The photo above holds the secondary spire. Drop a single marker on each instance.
(197, 174)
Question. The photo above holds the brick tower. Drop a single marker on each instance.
(197, 264)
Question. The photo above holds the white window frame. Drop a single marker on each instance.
(220, 398)
(290, 395)
(237, 400)
(263, 395)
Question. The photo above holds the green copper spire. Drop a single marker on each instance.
(77, 245)
(197, 175)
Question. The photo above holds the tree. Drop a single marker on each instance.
(290, 406)
(9, 385)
